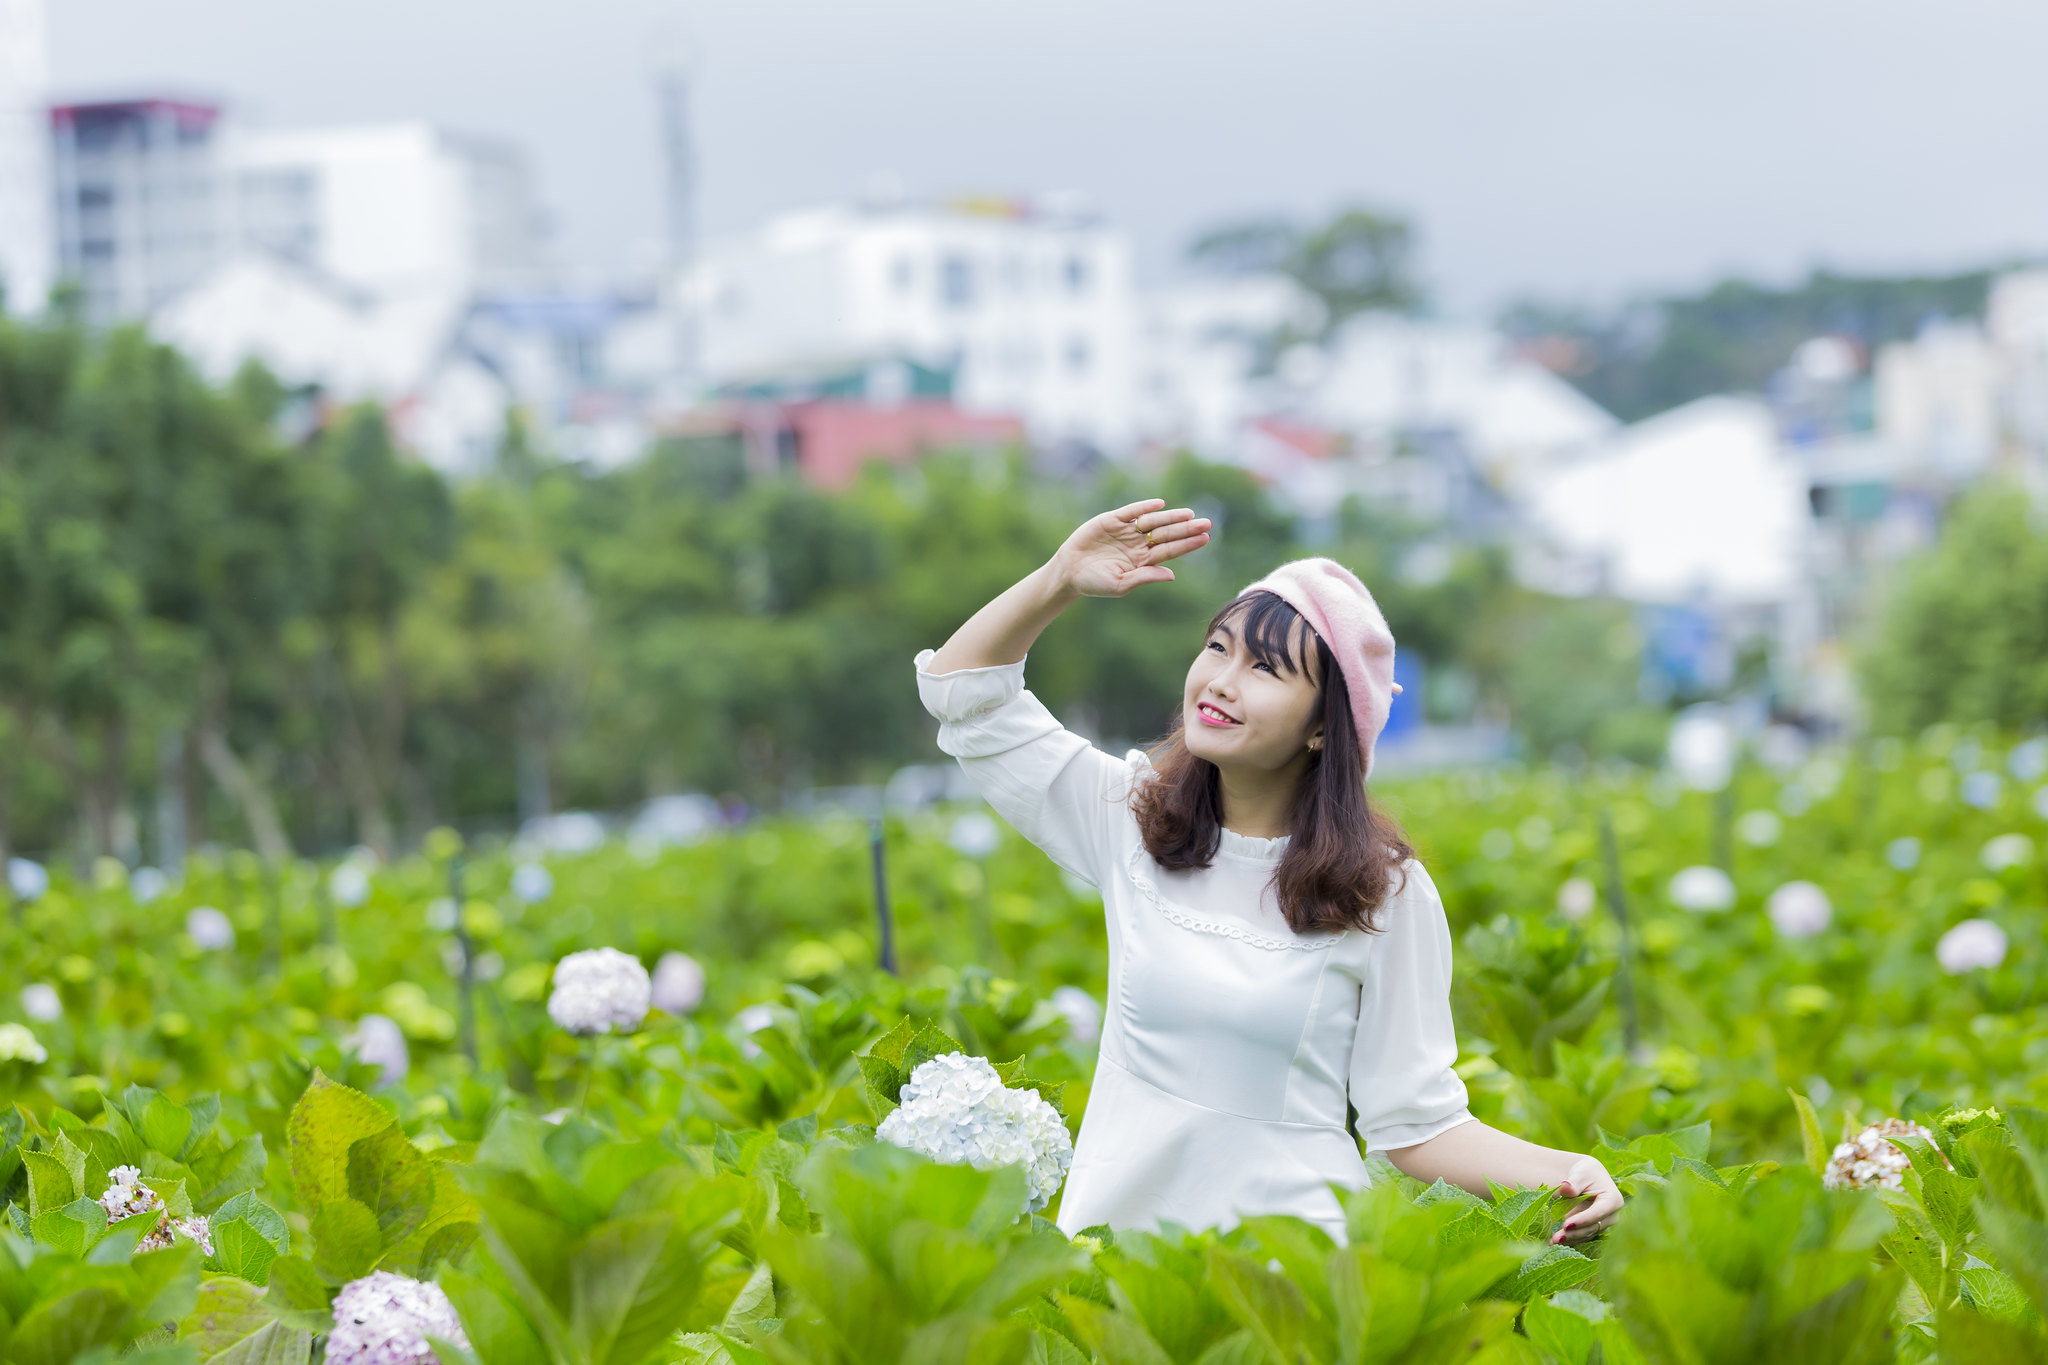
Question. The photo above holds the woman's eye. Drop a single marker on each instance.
(1268, 667)
(1216, 645)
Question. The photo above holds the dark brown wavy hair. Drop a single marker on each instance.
(1344, 859)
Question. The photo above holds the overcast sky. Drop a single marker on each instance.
(1568, 149)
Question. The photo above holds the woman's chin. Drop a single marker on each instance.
(1202, 743)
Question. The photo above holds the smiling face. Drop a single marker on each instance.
(1250, 702)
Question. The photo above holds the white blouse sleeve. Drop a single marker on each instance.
(1402, 1084)
(1058, 790)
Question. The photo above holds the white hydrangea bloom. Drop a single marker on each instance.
(1973, 943)
(601, 990)
(379, 1041)
(678, 983)
(956, 1110)
(1702, 889)
(128, 1196)
(749, 1022)
(1576, 898)
(165, 1235)
(1759, 828)
(17, 1044)
(1903, 853)
(209, 928)
(1867, 1160)
(40, 1002)
(147, 884)
(1799, 909)
(2007, 850)
(385, 1319)
(1702, 748)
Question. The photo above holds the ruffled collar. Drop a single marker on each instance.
(1245, 846)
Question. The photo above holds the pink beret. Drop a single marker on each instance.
(1332, 600)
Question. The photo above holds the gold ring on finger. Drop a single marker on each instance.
(1149, 541)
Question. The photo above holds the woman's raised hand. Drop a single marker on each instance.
(1109, 555)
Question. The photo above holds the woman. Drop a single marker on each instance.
(1274, 949)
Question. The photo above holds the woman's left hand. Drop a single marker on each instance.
(1599, 1201)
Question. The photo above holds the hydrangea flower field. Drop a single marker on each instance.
(647, 1103)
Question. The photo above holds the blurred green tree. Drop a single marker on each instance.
(1966, 635)
(1357, 259)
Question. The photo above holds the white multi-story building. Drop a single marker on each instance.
(27, 246)
(1030, 306)
(1962, 397)
(1201, 343)
(395, 208)
(137, 202)
(1937, 400)
(153, 196)
(355, 260)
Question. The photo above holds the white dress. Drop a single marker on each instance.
(1229, 1042)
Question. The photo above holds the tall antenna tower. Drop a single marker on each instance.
(678, 153)
(679, 184)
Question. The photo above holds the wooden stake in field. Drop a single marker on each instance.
(1617, 902)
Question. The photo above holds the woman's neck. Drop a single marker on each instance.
(1259, 803)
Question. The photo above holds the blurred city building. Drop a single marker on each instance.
(1882, 444)
(1441, 423)
(823, 425)
(136, 201)
(1028, 304)
(27, 234)
(397, 262)
(393, 208)
(1204, 346)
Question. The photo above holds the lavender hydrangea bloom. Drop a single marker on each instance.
(1799, 909)
(379, 1041)
(1972, 944)
(955, 1109)
(146, 884)
(349, 884)
(209, 928)
(27, 879)
(1083, 1014)
(385, 1319)
(678, 983)
(532, 882)
(601, 990)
